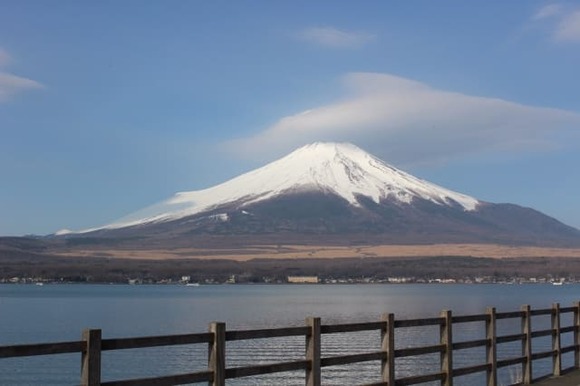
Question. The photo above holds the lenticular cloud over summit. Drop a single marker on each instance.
(410, 121)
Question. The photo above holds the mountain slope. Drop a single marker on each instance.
(340, 169)
(331, 193)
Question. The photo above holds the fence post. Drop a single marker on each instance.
(577, 335)
(388, 347)
(556, 341)
(446, 334)
(313, 348)
(491, 349)
(217, 353)
(91, 358)
(527, 344)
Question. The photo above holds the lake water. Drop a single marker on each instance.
(50, 313)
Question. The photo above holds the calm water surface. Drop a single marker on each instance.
(34, 314)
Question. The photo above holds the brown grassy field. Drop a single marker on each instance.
(318, 252)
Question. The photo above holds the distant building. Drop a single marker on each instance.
(303, 279)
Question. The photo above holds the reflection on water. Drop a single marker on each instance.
(32, 314)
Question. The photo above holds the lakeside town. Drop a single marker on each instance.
(242, 279)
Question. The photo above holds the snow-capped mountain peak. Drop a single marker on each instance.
(341, 169)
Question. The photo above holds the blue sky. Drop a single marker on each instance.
(107, 107)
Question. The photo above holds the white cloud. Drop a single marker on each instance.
(405, 122)
(4, 57)
(563, 23)
(547, 11)
(568, 28)
(335, 38)
(10, 84)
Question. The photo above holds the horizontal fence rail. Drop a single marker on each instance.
(92, 345)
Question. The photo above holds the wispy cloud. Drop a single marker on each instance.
(335, 38)
(4, 57)
(408, 122)
(11, 84)
(563, 22)
(568, 28)
(547, 11)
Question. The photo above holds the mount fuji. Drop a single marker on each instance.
(331, 193)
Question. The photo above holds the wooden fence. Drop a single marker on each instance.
(92, 345)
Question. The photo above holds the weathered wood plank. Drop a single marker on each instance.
(352, 327)
(470, 344)
(155, 341)
(388, 346)
(266, 333)
(566, 310)
(91, 358)
(577, 335)
(508, 315)
(565, 330)
(25, 350)
(568, 349)
(510, 338)
(545, 311)
(313, 348)
(510, 362)
(352, 358)
(217, 353)
(246, 371)
(418, 322)
(446, 339)
(543, 354)
(556, 341)
(539, 333)
(491, 349)
(422, 350)
(470, 318)
(470, 370)
(526, 325)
